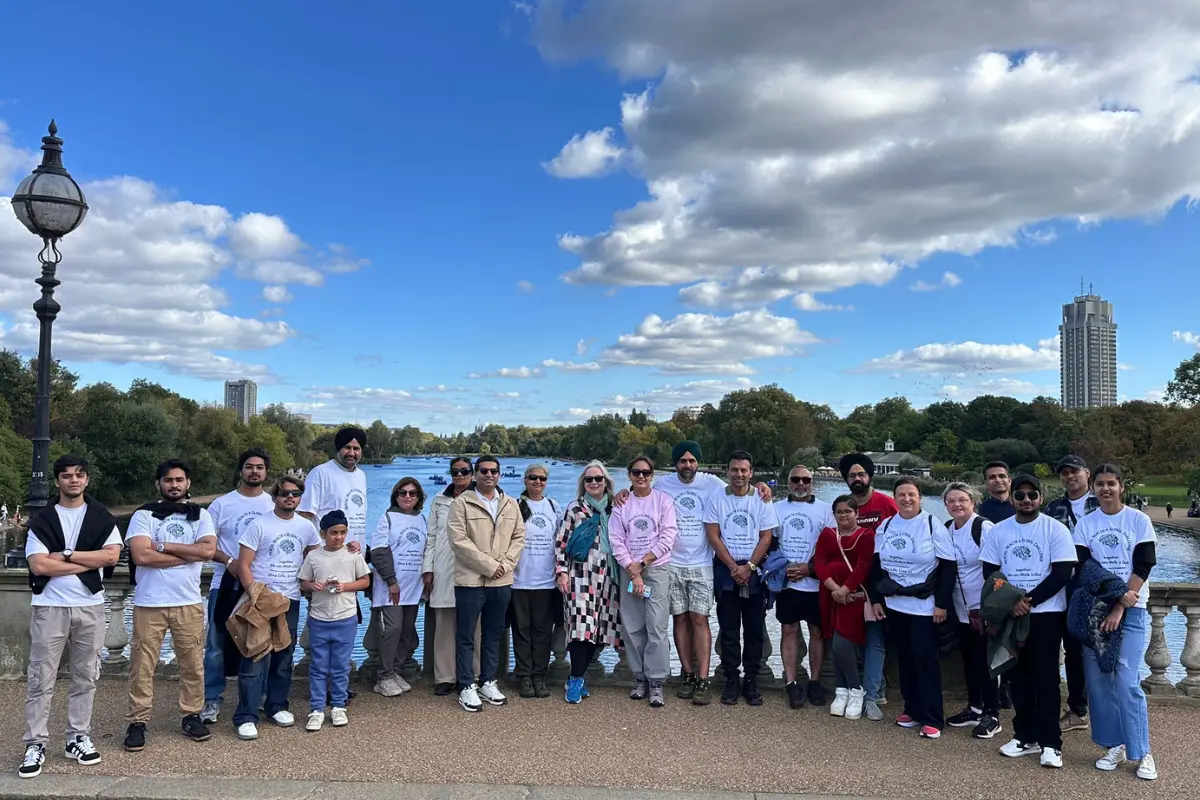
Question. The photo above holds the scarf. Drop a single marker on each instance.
(601, 509)
(161, 509)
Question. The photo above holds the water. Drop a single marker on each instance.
(1178, 553)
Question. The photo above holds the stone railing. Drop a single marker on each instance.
(1164, 598)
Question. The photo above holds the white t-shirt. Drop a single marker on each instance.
(1111, 539)
(279, 546)
(405, 535)
(741, 520)
(329, 487)
(909, 550)
(691, 548)
(67, 590)
(1026, 552)
(969, 586)
(1079, 507)
(164, 587)
(232, 514)
(800, 524)
(535, 568)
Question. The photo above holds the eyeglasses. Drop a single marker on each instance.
(641, 473)
(458, 473)
(799, 479)
(488, 471)
(593, 479)
(541, 478)
(408, 493)
(856, 475)
(290, 493)
(1021, 494)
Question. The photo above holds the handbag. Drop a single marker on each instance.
(868, 609)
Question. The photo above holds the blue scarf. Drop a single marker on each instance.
(600, 511)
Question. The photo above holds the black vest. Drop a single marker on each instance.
(97, 525)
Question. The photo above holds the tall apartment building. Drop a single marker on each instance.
(242, 397)
(1088, 359)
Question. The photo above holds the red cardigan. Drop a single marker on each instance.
(827, 558)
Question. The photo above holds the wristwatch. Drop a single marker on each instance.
(67, 554)
(753, 567)
(161, 547)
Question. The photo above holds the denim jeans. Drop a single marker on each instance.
(331, 644)
(1116, 700)
(275, 669)
(471, 603)
(873, 657)
(214, 656)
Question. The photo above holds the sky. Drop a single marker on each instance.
(445, 214)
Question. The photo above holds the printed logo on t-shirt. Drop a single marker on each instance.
(900, 542)
(688, 500)
(356, 498)
(797, 521)
(1023, 551)
(413, 536)
(243, 522)
(1111, 539)
(286, 544)
(540, 521)
(737, 518)
(175, 530)
(642, 523)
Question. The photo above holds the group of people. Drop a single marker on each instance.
(866, 574)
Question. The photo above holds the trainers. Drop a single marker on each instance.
(527, 689)
(135, 737)
(316, 721)
(247, 731)
(1146, 770)
(337, 715)
(930, 732)
(401, 684)
(905, 721)
(194, 729)
(387, 687)
(82, 750)
(490, 691)
(751, 693)
(964, 719)
(539, 687)
(31, 765)
(703, 694)
(210, 712)
(468, 698)
(640, 689)
(1114, 758)
(443, 689)
(988, 727)
(657, 700)
(815, 692)
(1071, 721)
(574, 690)
(1016, 748)
(583, 691)
(1051, 758)
(854, 707)
(687, 686)
(841, 696)
(795, 695)
(732, 690)
(283, 718)
(872, 711)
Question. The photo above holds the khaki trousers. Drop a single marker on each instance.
(444, 627)
(150, 626)
(53, 630)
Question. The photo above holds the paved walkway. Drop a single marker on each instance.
(606, 742)
(1179, 518)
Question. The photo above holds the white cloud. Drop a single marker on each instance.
(364, 405)
(572, 413)
(776, 136)
(509, 372)
(504, 395)
(756, 286)
(1186, 337)
(571, 366)
(276, 294)
(525, 286)
(1009, 387)
(280, 272)
(967, 358)
(708, 344)
(949, 281)
(582, 346)
(662, 401)
(262, 236)
(442, 388)
(585, 156)
(806, 301)
(1156, 395)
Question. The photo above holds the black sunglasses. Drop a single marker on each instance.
(799, 479)
(408, 493)
(458, 473)
(488, 471)
(1021, 494)
(641, 473)
(593, 479)
(541, 478)
(290, 493)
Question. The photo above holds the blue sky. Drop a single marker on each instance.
(377, 212)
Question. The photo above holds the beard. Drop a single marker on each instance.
(687, 475)
(860, 487)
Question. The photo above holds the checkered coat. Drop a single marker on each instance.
(591, 606)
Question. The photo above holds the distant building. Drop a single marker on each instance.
(691, 412)
(1088, 357)
(304, 417)
(242, 397)
(888, 462)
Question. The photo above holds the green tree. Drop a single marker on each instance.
(270, 437)
(990, 417)
(808, 456)
(379, 442)
(599, 437)
(1011, 451)
(940, 446)
(1184, 388)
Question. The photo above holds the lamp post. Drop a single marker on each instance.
(50, 204)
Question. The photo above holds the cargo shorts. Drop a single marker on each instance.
(691, 589)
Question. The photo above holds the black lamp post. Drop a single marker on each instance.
(50, 204)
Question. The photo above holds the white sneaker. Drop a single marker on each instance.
(81, 749)
(490, 692)
(386, 687)
(1114, 758)
(1016, 748)
(247, 731)
(854, 708)
(338, 717)
(468, 698)
(316, 720)
(283, 718)
(1146, 769)
(841, 698)
(1051, 758)
(401, 684)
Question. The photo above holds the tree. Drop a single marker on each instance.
(270, 437)
(989, 417)
(1184, 388)
(1011, 451)
(808, 456)
(599, 437)
(941, 446)
(379, 442)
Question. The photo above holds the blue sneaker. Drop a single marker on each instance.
(574, 690)
(586, 693)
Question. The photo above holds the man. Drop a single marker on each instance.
(874, 507)
(271, 551)
(997, 507)
(231, 514)
(487, 533)
(69, 544)
(1079, 501)
(339, 485)
(802, 517)
(169, 540)
(739, 526)
(3, 513)
(1036, 553)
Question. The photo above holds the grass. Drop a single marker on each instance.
(1161, 491)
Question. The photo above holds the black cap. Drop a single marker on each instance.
(1074, 462)
(1027, 478)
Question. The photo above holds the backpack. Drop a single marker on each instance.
(582, 538)
(976, 528)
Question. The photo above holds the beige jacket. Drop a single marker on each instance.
(258, 624)
(482, 544)
(439, 555)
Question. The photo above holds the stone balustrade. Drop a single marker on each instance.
(1164, 598)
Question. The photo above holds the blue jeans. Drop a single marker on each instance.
(470, 603)
(275, 669)
(214, 655)
(331, 645)
(1116, 701)
(873, 657)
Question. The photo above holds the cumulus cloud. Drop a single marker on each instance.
(663, 401)
(585, 156)
(504, 395)
(777, 136)
(525, 286)
(962, 358)
(509, 372)
(366, 404)
(806, 301)
(1010, 387)
(571, 366)
(582, 346)
(276, 294)
(1186, 337)
(756, 286)
(572, 413)
(949, 281)
(262, 236)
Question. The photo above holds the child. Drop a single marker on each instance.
(398, 554)
(334, 575)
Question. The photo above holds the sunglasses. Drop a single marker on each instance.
(799, 479)
(1021, 494)
(541, 478)
(407, 493)
(290, 493)
(458, 473)
(593, 479)
(488, 471)
(641, 473)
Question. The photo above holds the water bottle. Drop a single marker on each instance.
(332, 584)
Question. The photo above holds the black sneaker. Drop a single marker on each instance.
(732, 691)
(539, 687)
(135, 737)
(988, 727)
(795, 695)
(816, 693)
(81, 750)
(526, 689)
(964, 719)
(196, 730)
(687, 686)
(751, 693)
(443, 689)
(31, 766)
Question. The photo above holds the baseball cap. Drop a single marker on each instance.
(1074, 462)
(1027, 478)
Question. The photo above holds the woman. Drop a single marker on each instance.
(398, 554)
(1122, 540)
(842, 559)
(439, 574)
(967, 530)
(535, 598)
(642, 533)
(914, 570)
(587, 575)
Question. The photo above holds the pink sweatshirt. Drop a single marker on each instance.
(643, 525)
